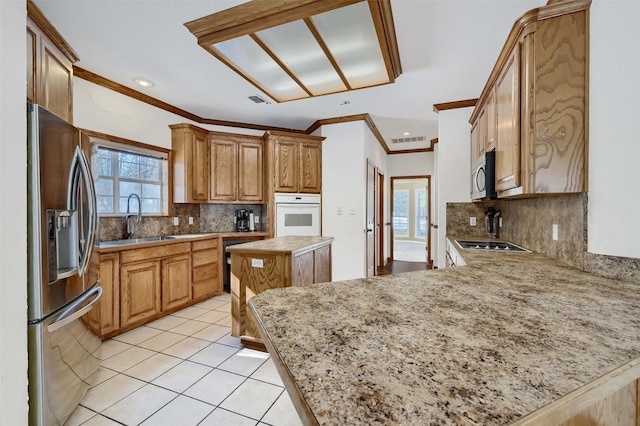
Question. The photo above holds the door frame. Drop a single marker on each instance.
(428, 237)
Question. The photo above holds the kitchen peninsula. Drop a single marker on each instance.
(520, 338)
(273, 263)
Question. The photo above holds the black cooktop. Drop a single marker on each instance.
(490, 245)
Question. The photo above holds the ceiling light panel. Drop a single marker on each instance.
(351, 37)
(246, 55)
(296, 47)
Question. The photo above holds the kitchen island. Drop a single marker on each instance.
(281, 262)
(512, 337)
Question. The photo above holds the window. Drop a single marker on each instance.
(121, 170)
(401, 213)
(421, 213)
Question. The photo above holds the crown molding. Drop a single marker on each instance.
(127, 91)
(453, 105)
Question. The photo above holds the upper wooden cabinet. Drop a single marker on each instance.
(236, 168)
(294, 162)
(49, 65)
(535, 104)
(190, 152)
(507, 112)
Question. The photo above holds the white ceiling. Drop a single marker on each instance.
(447, 50)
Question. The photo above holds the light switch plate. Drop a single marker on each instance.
(352, 210)
(472, 221)
(257, 263)
(190, 220)
(176, 221)
(554, 232)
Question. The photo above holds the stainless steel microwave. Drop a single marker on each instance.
(483, 177)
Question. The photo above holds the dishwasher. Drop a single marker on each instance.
(226, 269)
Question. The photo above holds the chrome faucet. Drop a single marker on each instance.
(130, 230)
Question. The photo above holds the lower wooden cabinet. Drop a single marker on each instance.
(108, 312)
(205, 259)
(140, 291)
(140, 285)
(176, 281)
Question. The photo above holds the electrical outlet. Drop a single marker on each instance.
(190, 220)
(554, 232)
(176, 221)
(339, 210)
(352, 210)
(472, 221)
(256, 219)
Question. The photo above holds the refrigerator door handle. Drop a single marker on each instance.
(71, 314)
(80, 170)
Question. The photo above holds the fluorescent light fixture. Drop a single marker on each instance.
(296, 49)
(142, 82)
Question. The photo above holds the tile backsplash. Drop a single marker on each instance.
(206, 218)
(528, 222)
(114, 228)
(219, 217)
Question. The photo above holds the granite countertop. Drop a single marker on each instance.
(293, 245)
(119, 245)
(484, 344)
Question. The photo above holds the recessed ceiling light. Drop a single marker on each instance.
(406, 134)
(143, 83)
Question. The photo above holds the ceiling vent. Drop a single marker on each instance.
(257, 99)
(411, 139)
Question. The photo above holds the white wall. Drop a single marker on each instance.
(343, 185)
(416, 164)
(614, 139)
(106, 111)
(13, 225)
(454, 159)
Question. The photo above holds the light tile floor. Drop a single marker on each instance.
(185, 369)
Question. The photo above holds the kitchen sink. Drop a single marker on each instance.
(491, 245)
(145, 240)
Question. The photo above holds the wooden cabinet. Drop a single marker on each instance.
(250, 171)
(190, 157)
(205, 259)
(49, 66)
(142, 284)
(537, 91)
(275, 263)
(176, 281)
(294, 163)
(108, 311)
(140, 291)
(507, 92)
(152, 280)
(236, 168)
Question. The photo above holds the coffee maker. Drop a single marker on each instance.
(242, 220)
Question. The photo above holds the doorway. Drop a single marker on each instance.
(410, 201)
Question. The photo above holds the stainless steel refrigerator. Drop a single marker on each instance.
(62, 223)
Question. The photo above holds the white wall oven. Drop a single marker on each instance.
(297, 214)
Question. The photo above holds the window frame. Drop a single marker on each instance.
(95, 140)
(416, 193)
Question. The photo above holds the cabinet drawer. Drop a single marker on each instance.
(154, 252)
(206, 272)
(204, 257)
(205, 244)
